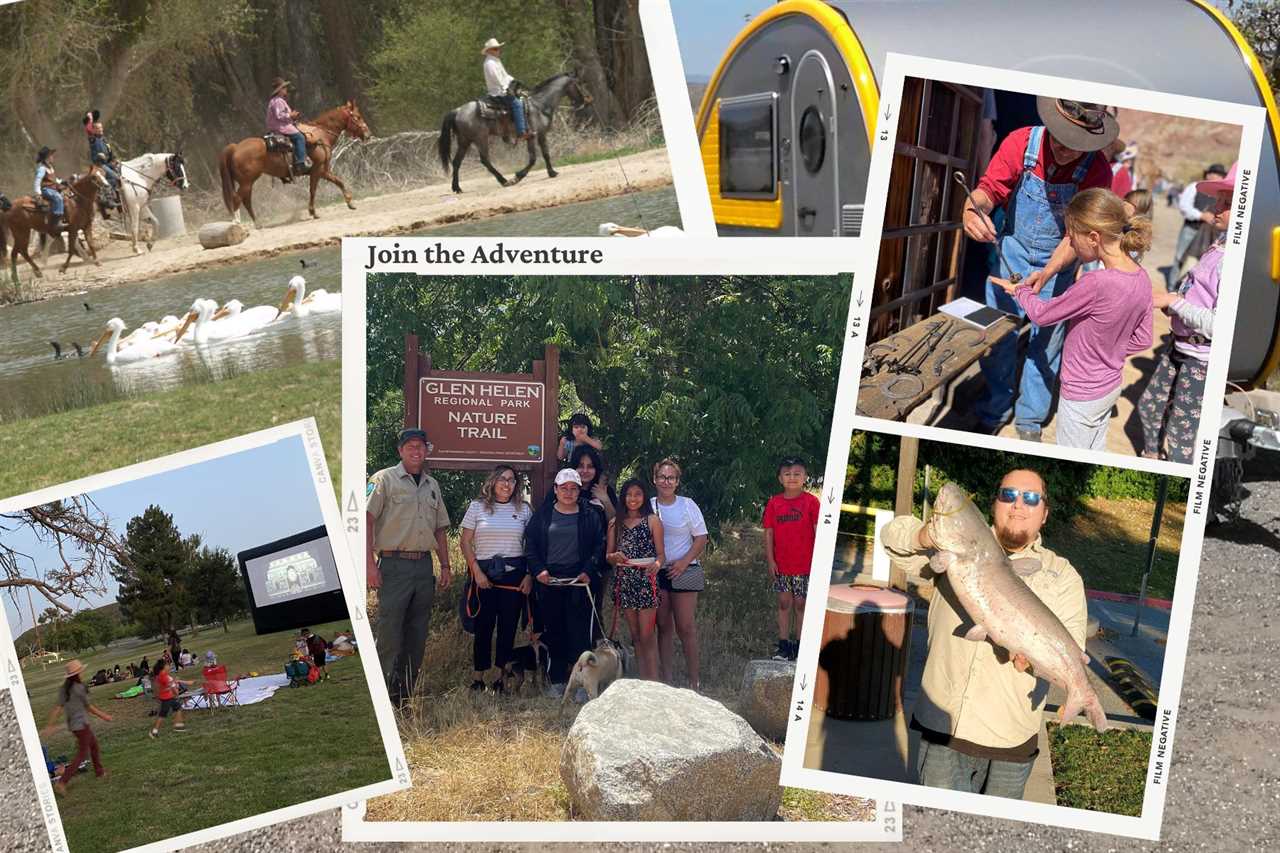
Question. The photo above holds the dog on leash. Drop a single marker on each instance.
(595, 670)
(531, 659)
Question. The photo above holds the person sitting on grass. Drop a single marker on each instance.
(167, 692)
(317, 648)
(73, 697)
(790, 528)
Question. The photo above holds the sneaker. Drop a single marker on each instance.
(476, 686)
(793, 649)
(782, 651)
(1028, 434)
(181, 728)
(498, 687)
(152, 733)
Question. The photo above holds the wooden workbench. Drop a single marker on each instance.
(968, 345)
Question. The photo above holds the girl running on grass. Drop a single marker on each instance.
(635, 550)
(73, 697)
(1108, 313)
(166, 687)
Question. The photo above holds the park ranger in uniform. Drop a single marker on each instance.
(405, 522)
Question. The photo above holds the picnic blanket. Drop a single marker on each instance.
(251, 690)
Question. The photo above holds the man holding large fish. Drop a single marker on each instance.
(1007, 619)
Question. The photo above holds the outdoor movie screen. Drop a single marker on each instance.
(293, 582)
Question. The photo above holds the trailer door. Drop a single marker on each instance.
(813, 146)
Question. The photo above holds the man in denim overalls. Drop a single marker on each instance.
(1034, 175)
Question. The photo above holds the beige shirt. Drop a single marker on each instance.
(969, 690)
(406, 514)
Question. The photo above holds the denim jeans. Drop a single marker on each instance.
(942, 767)
(299, 147)
(517, 111)
(54, 198)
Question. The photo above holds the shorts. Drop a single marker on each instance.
(634, 589)
(797, 585)
(318, 659)
(167, 705)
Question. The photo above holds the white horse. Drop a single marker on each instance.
(138, 178)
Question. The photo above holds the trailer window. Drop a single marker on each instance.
(748, 155)
(813, 139)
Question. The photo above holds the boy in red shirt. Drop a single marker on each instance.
(790, 528)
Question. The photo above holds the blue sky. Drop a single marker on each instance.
(235, 502)
(704, 29)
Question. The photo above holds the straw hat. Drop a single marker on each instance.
(1227, 184)
(1079, 125)
(492, 44)
(278, 85)
(74, 668)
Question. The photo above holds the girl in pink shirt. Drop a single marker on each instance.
(1107, 311)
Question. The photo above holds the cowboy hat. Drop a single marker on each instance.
(278, 85)
(1218, 185)
(43, 153)
(492, 44)
(1079, 125)
(74, 668)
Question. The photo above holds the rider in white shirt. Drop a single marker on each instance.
(497, 81)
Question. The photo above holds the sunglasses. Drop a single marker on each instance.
(1029, 498)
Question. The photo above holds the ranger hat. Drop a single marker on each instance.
(1079, 125)
(408, 435)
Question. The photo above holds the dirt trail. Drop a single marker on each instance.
(383, 215)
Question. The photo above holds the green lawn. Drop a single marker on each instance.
(56, 448)
(232, 763)
(1101, 772)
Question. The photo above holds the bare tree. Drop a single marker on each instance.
(76, 548)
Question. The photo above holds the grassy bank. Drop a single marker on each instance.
(484, 757)
(1101, 772)
(230, 763)
(51, 449)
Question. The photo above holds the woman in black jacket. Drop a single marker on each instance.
(565, 551)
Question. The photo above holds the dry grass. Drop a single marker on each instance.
(482, 757)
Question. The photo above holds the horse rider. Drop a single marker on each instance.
(501, 85)
(48, 187)
(101, 154)
(281, 118)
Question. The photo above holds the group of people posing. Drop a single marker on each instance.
(553, 564)
(1053, 191)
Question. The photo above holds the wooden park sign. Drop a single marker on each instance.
(474, 420)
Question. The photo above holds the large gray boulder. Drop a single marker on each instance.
(646, 751)
(766, 696)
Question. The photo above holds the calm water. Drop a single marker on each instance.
(33, 382)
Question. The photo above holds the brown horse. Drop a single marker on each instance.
(241, 163)
(80, 198)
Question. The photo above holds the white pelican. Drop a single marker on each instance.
(252, 318)
(232, 325)
(300, 304)
(141, 350)
(613, 229)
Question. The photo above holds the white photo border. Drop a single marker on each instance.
(1250, 119)
(619, 257)
(353, 591)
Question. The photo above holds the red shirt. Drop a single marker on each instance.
(1122, 181)
(794, 522)
(165, 686)
(1006, 167)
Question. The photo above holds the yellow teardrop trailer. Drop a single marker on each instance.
(784, 124)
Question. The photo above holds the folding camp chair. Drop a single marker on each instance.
(218, 690)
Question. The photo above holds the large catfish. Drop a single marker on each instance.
(1001, 605)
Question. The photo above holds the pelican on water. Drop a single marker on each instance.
(251, 318)
(300, 304)
(142, 349)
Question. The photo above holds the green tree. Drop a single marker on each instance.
(1259, 23)
(725, 373)
(152, 582)
(216, 588)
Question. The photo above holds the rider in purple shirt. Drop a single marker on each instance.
(280, 120)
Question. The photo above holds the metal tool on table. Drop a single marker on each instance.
(963, 182)
(912, 361)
